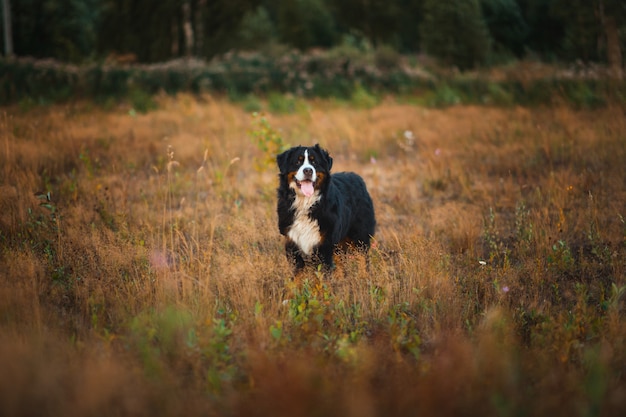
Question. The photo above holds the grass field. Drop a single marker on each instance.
(142, 272)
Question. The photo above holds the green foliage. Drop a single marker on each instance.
(546, 28)
(403, 330)
(87, 162)
(617, 293)
(29, 82)
(584, 95)
(560, 259)
(267, 139)
(595, 383)
(507, 27)
(581, 28)
(490, 234)
(309, 307)
(524, 231)
(317, 317)
(141, 101)
(443, 96)
(361, 98)
(387, 58)
(257, 29)
(305, 23)
(464, 33)
(251, 103)
(281, 103)
(455, 33)
(309, 310)
(250, 78)
(161, 337)
(156, 31)
(61, 29)
(40, 233)
(497, 95)
(158, 334)
(376, 20)
(217, 351)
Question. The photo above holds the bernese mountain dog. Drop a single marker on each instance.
(319, 212)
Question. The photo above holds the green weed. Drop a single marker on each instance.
(361, 98)
(267, 139)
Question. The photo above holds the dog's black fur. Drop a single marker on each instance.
(337, 212)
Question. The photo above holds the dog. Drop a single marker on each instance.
(319, 212)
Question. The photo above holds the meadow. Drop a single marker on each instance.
(142, 272)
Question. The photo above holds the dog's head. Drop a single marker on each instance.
(306, 169)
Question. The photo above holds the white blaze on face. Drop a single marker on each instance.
(306, 186)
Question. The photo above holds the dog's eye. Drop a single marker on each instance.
(300, 159)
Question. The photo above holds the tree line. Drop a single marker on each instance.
(462, 33)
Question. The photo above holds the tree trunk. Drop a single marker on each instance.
(187, 29)
(613, 49)
(199, 16)
(174, 50)
(8, 33)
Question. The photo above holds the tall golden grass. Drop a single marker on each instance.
(142, 272)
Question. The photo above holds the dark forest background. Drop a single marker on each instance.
(461, 33)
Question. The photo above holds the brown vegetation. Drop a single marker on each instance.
(142, 272)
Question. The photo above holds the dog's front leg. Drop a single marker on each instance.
(326, 253)
(293, 255)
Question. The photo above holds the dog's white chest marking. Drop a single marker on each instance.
(305, 232)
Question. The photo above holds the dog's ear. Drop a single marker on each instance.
(281, 159)
(327, 158)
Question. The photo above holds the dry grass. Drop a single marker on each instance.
(142, 273)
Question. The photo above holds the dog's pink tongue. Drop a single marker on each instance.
(307, 188)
